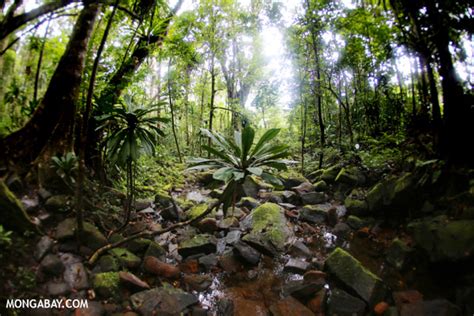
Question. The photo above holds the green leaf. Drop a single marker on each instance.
(248, 135)
(256, 171)
(223, 174)
(266, 137)
(268, 177)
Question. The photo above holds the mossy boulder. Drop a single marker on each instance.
(198, 210)
(155, 250)
(314, 214)
(356, 207)
(352, 274)
(248, 202)
(107, 284)
(13, 215)
(443, 239)
(355, 222)
(58, 204)
(320, 186)
(268, 221)
(202, 243)
(350, 176)
(291, 178)
(168, 209)
(126, 258)
(91, 237)
(138, 245)
(329, 174)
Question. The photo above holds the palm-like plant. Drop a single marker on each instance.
(132, 132)
(237, 158)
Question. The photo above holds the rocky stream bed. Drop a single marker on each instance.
(329, 244)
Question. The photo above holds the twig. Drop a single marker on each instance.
(95, 256)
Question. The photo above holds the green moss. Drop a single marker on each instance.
(330, 174)
(320, 186)
(268, 221)
(13, 215)
(198, 210)
(108, 263)
(184, 204)
(125, 257)
(107, 284)
(196, 241)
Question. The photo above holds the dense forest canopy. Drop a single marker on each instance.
(360, 105)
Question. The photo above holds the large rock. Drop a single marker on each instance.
(58, 204)
(165, 300)
(444, 240)
(350, 272)
(343, 304)
(394, 194)
(202, 243)
(268, 221)
(291, 178)
(313, 198)
(13, 215)
(350, 176)
(314, 214)
(91, 238)
(168, 209)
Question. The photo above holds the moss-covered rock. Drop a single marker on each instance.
(398, 254)
(155, 250)
(58, 204)
(92, 237)
(350, 176)
(198, 210)
(138, 245)
(350, 272)
(313, 214)
(107, 284)
(249, 202)
(355, 222)
(126, 258)
(269, 222)
(444, 240)
(356, 207)
(108, 263)
(13, 215)
(291, 178)
(329, 174)
(320, 186)
(184, 204)
(202, 243)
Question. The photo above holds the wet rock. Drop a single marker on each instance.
(232, 237)
(44, 194)
(191, 265)
(14, 216)
(444, 240)
(289, 307)
(168, 209)
(108, 263)
(44, 245)
(208, 261)
(197, 282)
(246, 302)
(290, 197)
(343, 304)
(225, 307)
(302, 289)
(333, 217)
(30, 204)
(132, 281)
(57, 288)
(208, 225)
(329, 175)
(441, 307)
(248, 253)
(126, 258)
(155, 250)
(52, 265)
(165, 300)
(58, 204)
(296, 266)
(248, 202)
(313, 214)
(312, 198)
(406, 297)
(398, 254)
(75, 276)
(202, 243)
(342, 230)
(197, 211)
(291, 178)
(314, 276)
(269, 222)
(107, 284)
(350, 272)
(262, 245)
(92, 237)
(320, 186)
(316, 304)
(93, 309)
(356, 206)
(229, 263)
(298, 248)
(287, 206)
(160, 268)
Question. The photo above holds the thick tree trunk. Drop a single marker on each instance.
(51, 126)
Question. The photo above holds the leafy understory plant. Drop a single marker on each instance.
(65, 167)
(238, 157)
(133, 131)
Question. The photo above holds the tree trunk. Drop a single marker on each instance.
(173, 125)
(51, 126)
(213, 92)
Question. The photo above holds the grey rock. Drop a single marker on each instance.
(312, 198)
(202, 243)
(58, 204)
(51, 264)
(342, 230)
(296, 266)
(248, 253)
(162, 301)
(298, 248)
(343, 304)
(232, 237)
(301, 289)
(313, 214)
(44, 245)
(208, 261)
(75, 276)
(57, 288)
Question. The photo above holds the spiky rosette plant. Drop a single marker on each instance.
(234, 159)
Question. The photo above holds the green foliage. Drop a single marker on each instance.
(5, 237)
(65, 167)
(238, 157)
(132, 132)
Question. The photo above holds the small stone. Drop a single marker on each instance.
(66, 229)
(296, 266)
(189, 266)
(165, 300)
(198, 282)
(155, 250)
(208, 225)
(248, 202)
(398, 254)
(44, 194)
(51, 264)
(341, 230)
(260, 244)
(232, 237)
(93, 309)
(155, 266)
(298, 248)
(138, 245)
(229, 263)
(44, 245)
(131, 280)
(202, 243)
(312, 198)
(313, 214)
(228, 222)
(248, 253)
(304, 187)
(320, 186)
(333, 218)
(355, 222)
(30, 204)
(208, 261)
